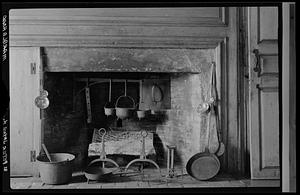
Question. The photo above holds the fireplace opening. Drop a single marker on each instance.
(168, 84)
(70, 124)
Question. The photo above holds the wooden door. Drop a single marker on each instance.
(25, 126)
(263, 92)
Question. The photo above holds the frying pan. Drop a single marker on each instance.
(97, 172)
(205, 165)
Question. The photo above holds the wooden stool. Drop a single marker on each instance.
(170, 161)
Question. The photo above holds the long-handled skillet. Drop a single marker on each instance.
(96, 172)
(204, 165)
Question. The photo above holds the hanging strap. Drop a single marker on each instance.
(208, 133)
(214, 95)
(213, 90)
(211, 102)
(88, 102)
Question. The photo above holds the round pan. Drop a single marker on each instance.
(97, 172)
(203, 166)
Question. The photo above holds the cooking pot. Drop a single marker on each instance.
(123, 113)
(140, 113)
(108, 109)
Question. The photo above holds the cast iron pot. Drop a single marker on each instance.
(123, 113)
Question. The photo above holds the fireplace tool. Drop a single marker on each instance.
(96, 172)
(143, 158)
(170, 161)
(141, 113)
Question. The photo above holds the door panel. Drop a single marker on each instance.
(267, 25)
(269, 64)
(24, 115)
(269, 131)
(263, 90)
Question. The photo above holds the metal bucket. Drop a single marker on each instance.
(59, 170)
(141, 113)
(108, 109)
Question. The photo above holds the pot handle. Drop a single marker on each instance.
(133, 102)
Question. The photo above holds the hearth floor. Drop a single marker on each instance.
(150, 179)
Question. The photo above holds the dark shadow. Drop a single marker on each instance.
(159, 149)
(78, 178)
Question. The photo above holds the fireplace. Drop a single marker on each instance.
(182, 75)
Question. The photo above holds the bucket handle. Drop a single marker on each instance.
(105, 105)
(137, 106)
(133, 106)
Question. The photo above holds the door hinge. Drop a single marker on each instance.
(32, 156)
(33, 68)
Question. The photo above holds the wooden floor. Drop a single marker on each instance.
(149, 179)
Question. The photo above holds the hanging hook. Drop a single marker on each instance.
(109, 97)
(125, 87)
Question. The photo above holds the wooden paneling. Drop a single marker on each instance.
(233, 141)
(263, 94)
(269, 64)
(24, 115)
(183, 16)
(292, 96)
(115, 27)
(267, 24)
(269, 131)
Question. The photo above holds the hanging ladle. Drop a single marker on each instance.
(108, 107)
(140, 113)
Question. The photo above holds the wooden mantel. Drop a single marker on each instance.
(188, 27)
